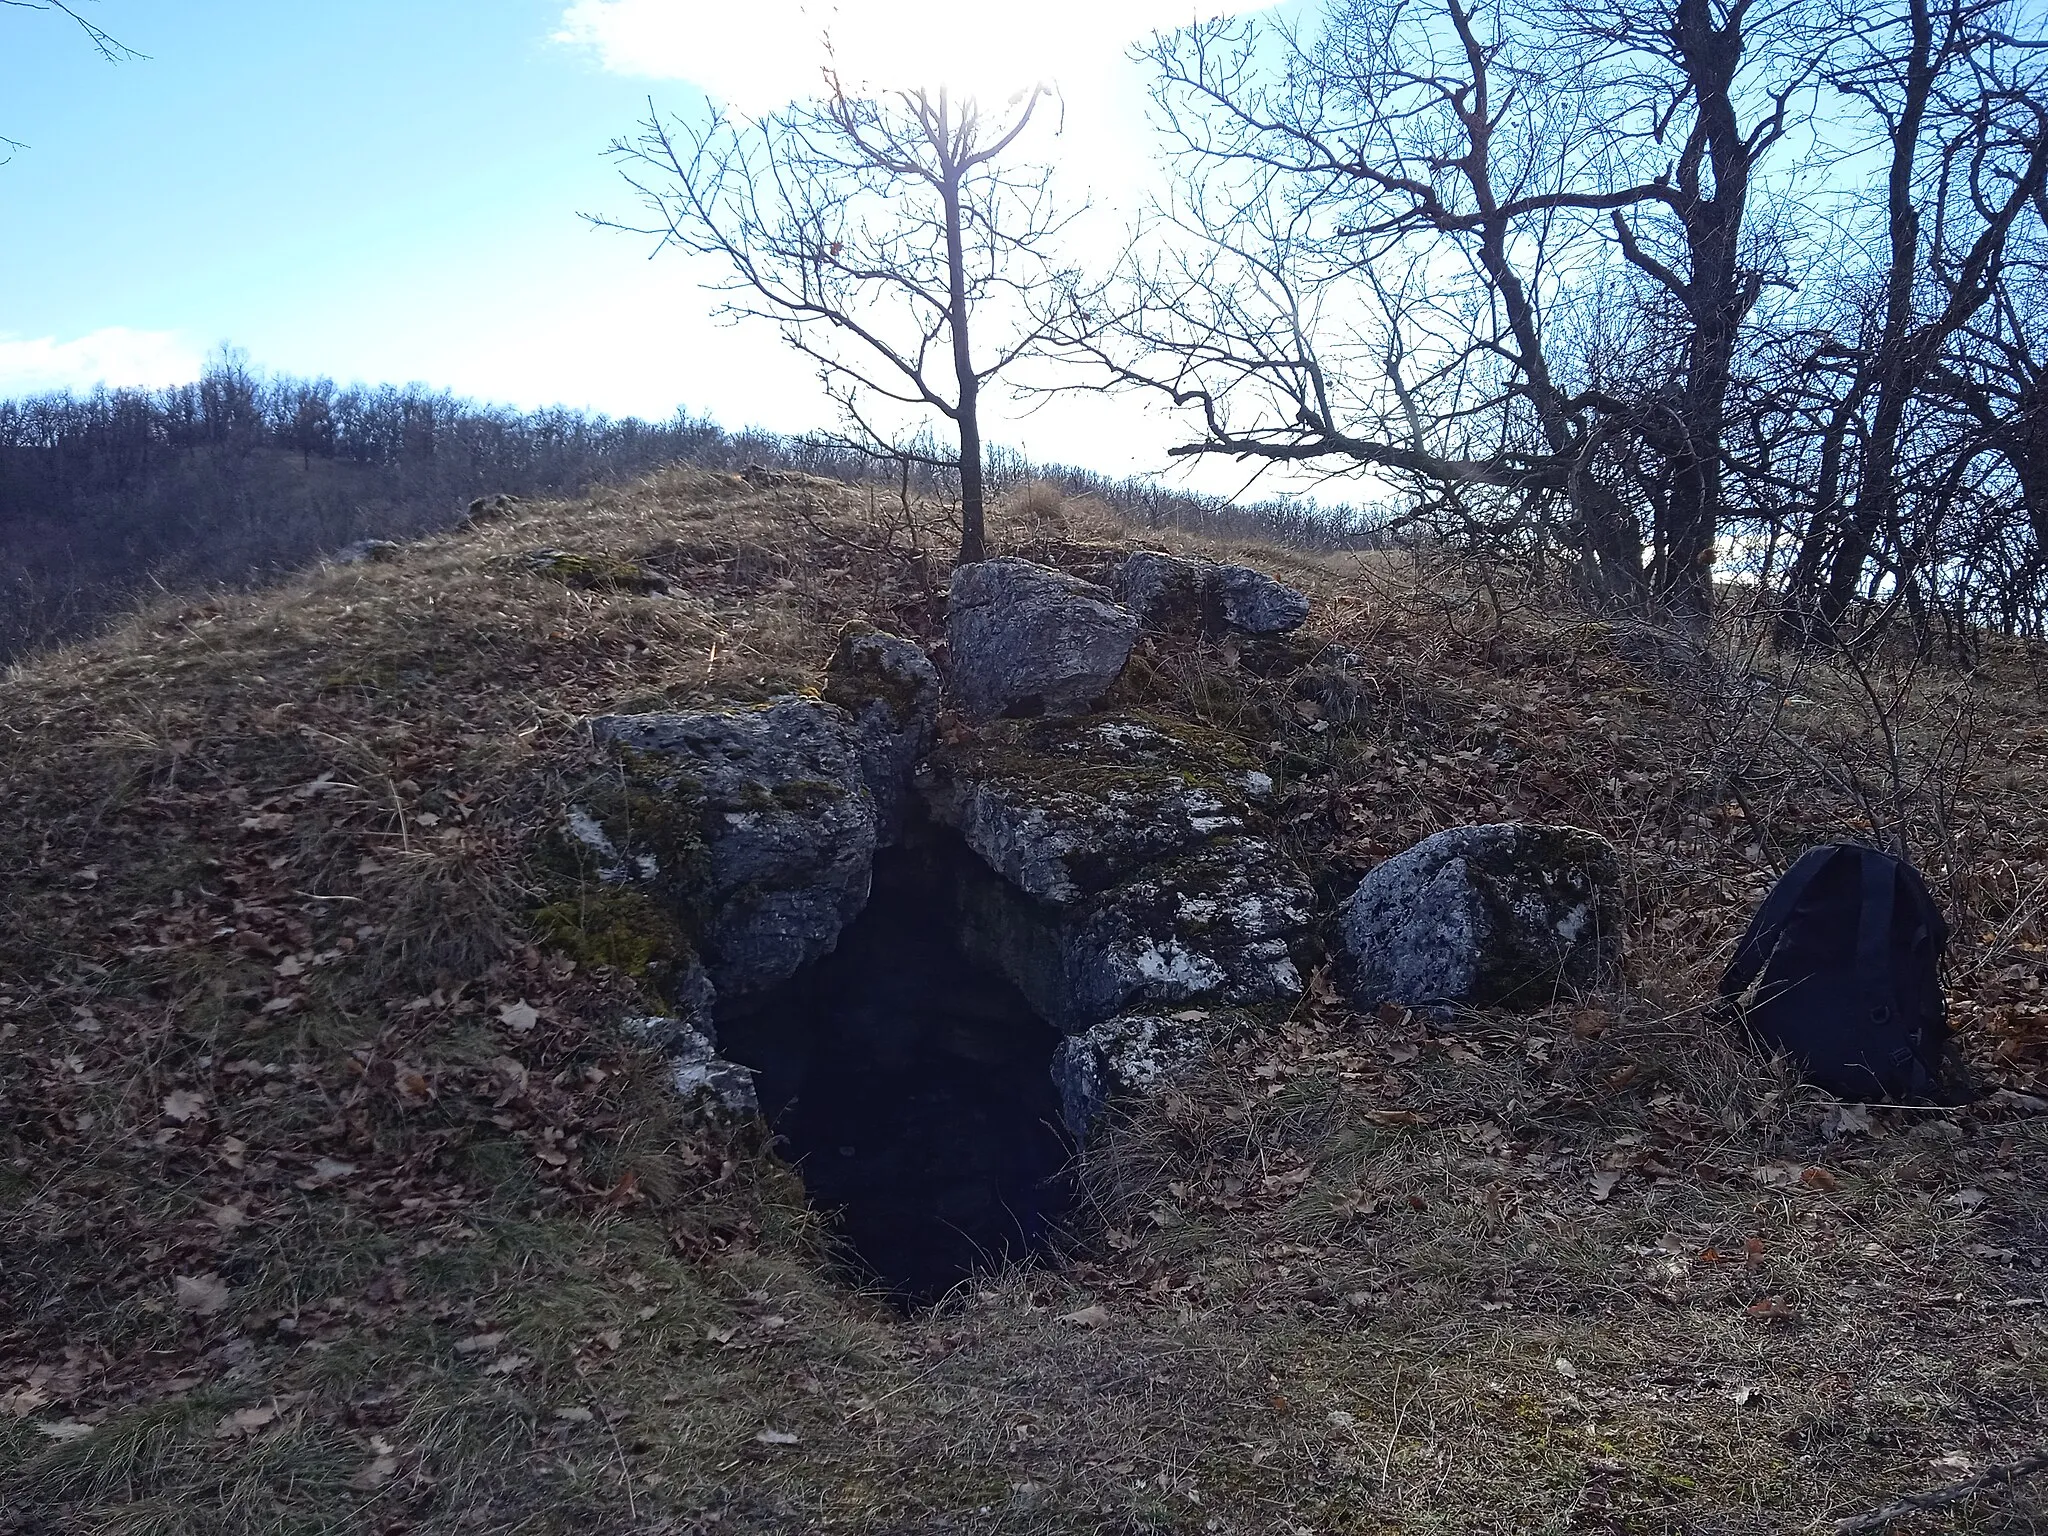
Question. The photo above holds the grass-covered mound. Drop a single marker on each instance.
(333, 1199)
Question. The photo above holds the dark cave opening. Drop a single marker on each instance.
(912, 1087)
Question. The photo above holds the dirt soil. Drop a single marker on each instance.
(332, 1198)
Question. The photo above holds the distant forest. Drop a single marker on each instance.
(108, 497)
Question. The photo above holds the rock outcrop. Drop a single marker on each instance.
(1121, 873)
(891, 690)
(695, 1067)
(1176, 594)
(1484, 916)
(1023, 640)
(757, 821)
(1129, 1057)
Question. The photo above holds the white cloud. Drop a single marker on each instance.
(759, 54)
(114, 356)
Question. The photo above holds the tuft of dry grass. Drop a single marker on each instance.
(331, 1199)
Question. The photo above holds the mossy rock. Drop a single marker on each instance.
(595, 572)
(1067, 808)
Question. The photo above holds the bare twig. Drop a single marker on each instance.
(2000, 1475)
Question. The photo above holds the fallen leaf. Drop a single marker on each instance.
(1395, 1117)
(1603, 1182)
(202, 1295)
(23, 1401)
(1092, 1316)
(1591, 1023)
(574, 1414)
(290, 965)
(478, 1343)
(1967, 1199)
(1772, 1309)
(1566, 1369)
(245, 1421)
(325, 1171)
(374, 1473)
(507, 1365)
(65, 1429)
(1820, 1178)
(518, 1017)
(233, 1150)
(776, 1437)
(181, 1104)
(227, 1217)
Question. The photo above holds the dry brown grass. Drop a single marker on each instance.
(1592, 1268)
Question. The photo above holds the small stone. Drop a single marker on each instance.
(1025, 640)
(368, 552)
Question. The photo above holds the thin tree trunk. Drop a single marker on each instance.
(973, 538)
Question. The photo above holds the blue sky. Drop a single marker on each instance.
(389, 191)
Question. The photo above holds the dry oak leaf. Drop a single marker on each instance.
(181, 1104)
(518, 1017)
(202, 1295)
(65, 1429)
(244, 1421)
(378, 1471)
(1093, 1316)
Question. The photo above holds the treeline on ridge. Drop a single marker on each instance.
(110, 496)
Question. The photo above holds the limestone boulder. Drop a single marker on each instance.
(1065, 809)
(1130, 1057)
(890, 689)
(755, 826)
(1024, 640)
(1119, 868)
(1253, 603)
(1180, 595)
(1484, 916)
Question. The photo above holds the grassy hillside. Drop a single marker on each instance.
(332, 1198)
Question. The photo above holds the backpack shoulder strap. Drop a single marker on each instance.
(1877, 978)
(1753, 951)
(1874, 933)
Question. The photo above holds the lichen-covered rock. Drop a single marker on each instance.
(1253, 603)
(1129, 1057)
(1180, 595)
(1166, 592)
(695, 1067)
(1064, 809)
(787, 826)
(891, 690)
(1484, 916)
(1024, 640)
(1216, 925)
(597, 573)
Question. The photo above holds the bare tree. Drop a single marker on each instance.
(102, 42)
(887, 236)
(1500, 256)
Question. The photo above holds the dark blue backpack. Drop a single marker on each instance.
(1841, 970)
